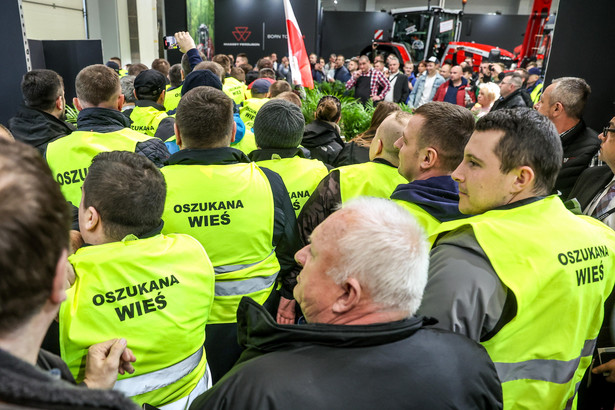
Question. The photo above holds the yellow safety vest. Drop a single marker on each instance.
(70, 157)
(247, 143)
(230, 210)
(300, 175)
(535, 94)
(146, 119)
(560, 268)
(249, 110)
(122, 72)
(424, 218)
(235, 89)
(172, 97)
(156, 293)
(368, 179)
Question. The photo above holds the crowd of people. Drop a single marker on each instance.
(193, 242)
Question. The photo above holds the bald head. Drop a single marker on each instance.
(391, 129)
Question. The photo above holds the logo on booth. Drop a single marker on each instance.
(241, 33)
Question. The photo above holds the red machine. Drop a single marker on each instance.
(535, 42)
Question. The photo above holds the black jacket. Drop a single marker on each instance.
(580, 145)
(396, 365)
(591, 182)
(352, 153)
(38, 128)
(517, 99)
(401, 90)
(323, 140)
(107, 120)
(25, 385)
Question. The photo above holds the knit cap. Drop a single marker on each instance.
(199, 78)
(278, 124)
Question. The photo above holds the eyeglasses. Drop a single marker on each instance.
(606, 130)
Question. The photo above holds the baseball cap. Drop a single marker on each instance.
(261, 86)
(150, 82)
(534, 71)
(433, 59)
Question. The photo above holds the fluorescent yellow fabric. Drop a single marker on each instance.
(250, 109)
(368, 179)
(247, 143)
(235, 89)
(146, 119)
(427, 221)
(230, 210)
(156, 293)
(172, 97)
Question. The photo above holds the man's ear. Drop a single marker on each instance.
(92, 219)
(350, 297)
(77, 104)
(60, 102)
(60, 280)
(428, 158)
(234, 132)
(120, 102)
(524, 179)
(177, 135)
(557, 109)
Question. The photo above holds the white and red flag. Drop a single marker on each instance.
(297, 56)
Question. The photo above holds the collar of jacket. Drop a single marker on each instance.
(570, 134)
(148, 103)
(259, 332)
(213, 156)
(267, 154)
(383, 161)
(101, 120)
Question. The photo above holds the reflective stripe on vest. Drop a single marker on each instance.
(230, 210)
(300, 175)
(250, 109)
(368, 179)
(150, 291)
(70, 157)
(172, 97)
(146, 119)
(560, 277)
(148, 382)
(235, 89)
(554, 371)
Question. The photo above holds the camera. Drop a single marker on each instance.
(170, 42)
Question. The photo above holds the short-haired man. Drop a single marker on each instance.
(42, 118)
(534, 84)
(399, 91)
(456, 90)
(155, 289)
(278, 130)
(149, 115)
(430, 149)
(445, 71)
(511, 93)
(32, 287)
(232, 87)
(127, 84)
(524, 276)
(378, 177)
(362, 347)
(239, 212)
(162, 66)
(368, 83)
(563, 103)
(278, 88)
(340, 72)
(101, 126)
(260, 92)
(426, 85)
(118, 61)
(174, 92)
(241, 58)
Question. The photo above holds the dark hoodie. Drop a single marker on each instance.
(439, 196)
(38, 128)
(323, 140)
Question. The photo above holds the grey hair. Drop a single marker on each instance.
(128, 88)
(385, 249)
(572, 93)
(515, 79)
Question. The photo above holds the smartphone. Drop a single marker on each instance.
(606, 354)
(170, 42)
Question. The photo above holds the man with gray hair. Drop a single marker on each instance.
(511, 93)
(563, 102)
(362, 280)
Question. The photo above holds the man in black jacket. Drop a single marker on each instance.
(42, 118)
(400, 90)
(511, 93)
(32, 287)
(563, 102)
(361, 347)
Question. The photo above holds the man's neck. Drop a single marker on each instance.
(565, 123)
(369, 316)
(25, 342)
(457, 83)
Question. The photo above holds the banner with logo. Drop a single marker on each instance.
(200, 16)
(258, 27)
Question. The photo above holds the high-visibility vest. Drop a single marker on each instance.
(247, 143)
(146, 119)
(424, 218)
(230, 210)
(368, 179)
(122, 72)
(300, 175)
(235, 89)
(70, 157)
(250, 109)
(172, 97)
(559, 267)
(536, 92)
(156, 293)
